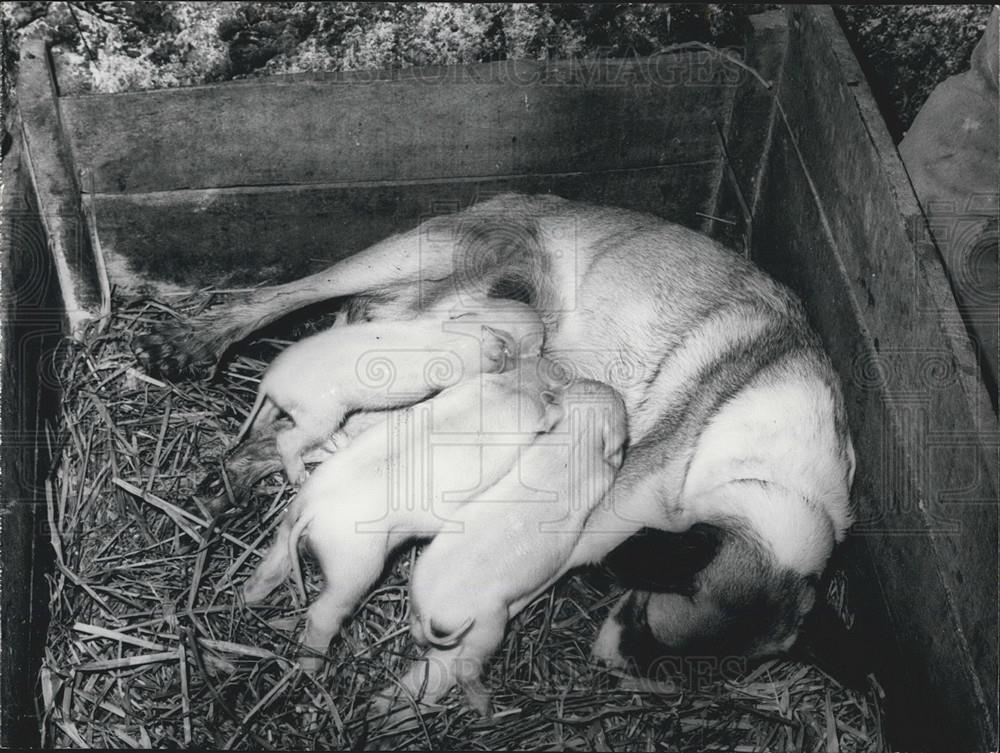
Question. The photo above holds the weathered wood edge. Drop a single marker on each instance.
(971, 418)
(522, 72)
(191, 138)
(931, 263)
(288, 231)
(49, 162)
(31, 325)
(980, 419)
(750, 132)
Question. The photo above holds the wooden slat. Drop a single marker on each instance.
(894, 530)
(495, 119)
(749, 132)
(49, 163)
(242, 237)
(31, 328)
(925, 436)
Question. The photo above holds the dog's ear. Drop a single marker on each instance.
(826, 642)
(664, 561)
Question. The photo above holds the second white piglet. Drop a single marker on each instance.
(401, 479)
(517, 538)
(319, 380)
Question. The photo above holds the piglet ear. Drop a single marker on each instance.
(826, 642)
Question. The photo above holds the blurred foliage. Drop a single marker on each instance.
(140, 45)
(907, 50)
(122, 46)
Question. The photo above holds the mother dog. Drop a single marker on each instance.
(735, 414)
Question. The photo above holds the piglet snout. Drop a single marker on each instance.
(441, 637)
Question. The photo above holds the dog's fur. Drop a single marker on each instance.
(735, 414)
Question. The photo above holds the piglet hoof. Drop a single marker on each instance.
(382, 704)
(254, 592)
(262, 582)
(188, 350)
(392, 708)
(614, 457)
(294, 465)
(311, 664)
(478, 698)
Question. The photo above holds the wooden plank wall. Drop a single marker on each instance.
(749, 134)
(843, 233)
(49, 162)
(31, 325)
(496, 119)
(295, 174)
(242, 237)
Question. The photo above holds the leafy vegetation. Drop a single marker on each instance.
(907, 50)
(140, 45)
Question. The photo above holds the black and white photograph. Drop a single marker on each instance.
(499, 376)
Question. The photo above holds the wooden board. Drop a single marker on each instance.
(30, 327)
(749, 133)
(48, 161)
(498, 119)
(841, 233)
(238, 237)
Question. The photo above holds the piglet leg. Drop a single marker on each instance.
(351, 565)
(478, 645)
(274, 568)
(427, 681)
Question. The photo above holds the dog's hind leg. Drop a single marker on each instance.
(470, 248)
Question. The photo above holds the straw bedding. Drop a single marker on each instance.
(150, 644)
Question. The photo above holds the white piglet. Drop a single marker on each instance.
(401, 479)
(517, 538)
(319, 380)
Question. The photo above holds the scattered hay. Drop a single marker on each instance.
(150, 644)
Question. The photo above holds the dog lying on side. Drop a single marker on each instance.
(736, 418)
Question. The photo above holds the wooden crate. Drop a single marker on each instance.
(173, 190)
